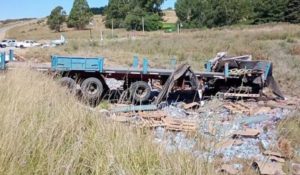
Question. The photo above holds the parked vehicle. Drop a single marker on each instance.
(27, 44)
(8, 43)
(59, 42)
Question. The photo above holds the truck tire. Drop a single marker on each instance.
(69, 83)
(140, 91)
(92, 90)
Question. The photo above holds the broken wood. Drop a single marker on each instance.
(265, 168)
(273, 153)
(238, 108)
(229, 143)
(157, 115)
(276, 159)
(246, 133)
(180, 124)
(229, 169)
(191, 106)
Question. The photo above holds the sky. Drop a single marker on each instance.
(13, 9)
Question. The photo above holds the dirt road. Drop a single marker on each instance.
(3, 31)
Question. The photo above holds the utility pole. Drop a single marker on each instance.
(112, 28)
(101, 36)
(143, 23)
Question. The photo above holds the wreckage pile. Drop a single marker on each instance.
(229, 130)
(233, 118)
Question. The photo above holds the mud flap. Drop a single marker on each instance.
(272, 84)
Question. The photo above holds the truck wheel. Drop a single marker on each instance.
(92, 90)
(140, 91)
(69, 83)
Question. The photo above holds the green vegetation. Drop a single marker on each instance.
(130, 14)
(56, 18)
(98, 11)
(169, 27)
(292, 13)
(80, 15)
(269, 11)
(202, 13)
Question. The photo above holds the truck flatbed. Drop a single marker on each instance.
(114, 72)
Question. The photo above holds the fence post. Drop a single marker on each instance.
(208, 66)
(145, 66)
(11, 55)
(2, 65)
(135, 62)
(226, 70)
(173, 63)
(101, 64)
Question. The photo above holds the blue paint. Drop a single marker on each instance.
(226, 70)
(2, 64)
(61, 63)
(11, 55)
(145, 66)
(101, 64)
(267, 70)
(173, 63)
(208, 66)
(135, 62)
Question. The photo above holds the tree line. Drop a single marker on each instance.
(216, 13)
(80, 16)
(147, 14)
(134, 14)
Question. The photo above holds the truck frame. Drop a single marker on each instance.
(229, 77)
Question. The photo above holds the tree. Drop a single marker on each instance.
(129, 14)
(98, 11)
(269, 10)
(80, 15)
(292, 13)
(56, 18)
(212, 13)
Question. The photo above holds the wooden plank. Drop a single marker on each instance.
(180, 124)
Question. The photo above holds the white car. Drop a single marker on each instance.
(8, 43)
(27, 44)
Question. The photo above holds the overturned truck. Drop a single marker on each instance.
(227, 77)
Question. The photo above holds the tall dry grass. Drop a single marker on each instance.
(44, 131)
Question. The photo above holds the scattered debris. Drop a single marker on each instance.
(133, 108)
(193, 105)
(229, 169)
(238, 108)
(246, 133)
(180, 124)
(276, 159)
(229, 143)
(272, 153)
(265, 168)
(296, 168)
